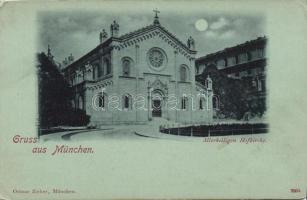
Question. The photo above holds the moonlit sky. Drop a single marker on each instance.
(78, 32)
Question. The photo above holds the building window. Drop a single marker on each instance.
(237, 59)
(215, 102)
(255, 54)
(254, 83)
(94, 72)
(127, 102)
(183, 73)
(80, 103)
(259, 85)
(249, 71)
(221, 63)
(263, 85)
(201, 68)
(73, 105)
(226, 64)
(231, 61)
(126, 67)
(74, 79)
(260, 53)
(101, 101)
(184, 102)
(202, 102)
(108, 66)
(242, 57)
(83, 74)
(100, 70)
(249, 56)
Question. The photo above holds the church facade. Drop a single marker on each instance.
(135, 77)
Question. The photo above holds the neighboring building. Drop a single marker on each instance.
(246, 61)
(151, 63)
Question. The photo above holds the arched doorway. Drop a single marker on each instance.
(156, 103)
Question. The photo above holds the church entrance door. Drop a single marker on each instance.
(156, 108)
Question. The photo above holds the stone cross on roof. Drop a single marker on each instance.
(156, 20)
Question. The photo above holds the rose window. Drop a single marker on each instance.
(156, 58)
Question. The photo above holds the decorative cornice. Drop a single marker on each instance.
(151, 31)
(135, 37)
(100, 84)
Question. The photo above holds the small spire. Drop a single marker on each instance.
(114, 29)
(49, 51)
(156, 19)
(49, 54)
(191, 43)
(70, 58)
(209, 83)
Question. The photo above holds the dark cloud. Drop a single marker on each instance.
(77, 32)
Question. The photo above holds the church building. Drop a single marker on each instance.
(138, 76)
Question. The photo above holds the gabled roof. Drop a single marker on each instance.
(133, 34)
(152, 27)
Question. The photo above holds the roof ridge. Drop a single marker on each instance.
(126, 35)
(247, 42)
(136, 31)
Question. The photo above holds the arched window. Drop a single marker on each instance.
(126, 67)
(96, 71)
(107, 66)
(127, 104)
(99, 70)
(101, 101)
(184, 103)
(202, 103)
(183, 73)
(215, 102)
(73, 104)
(80, 103)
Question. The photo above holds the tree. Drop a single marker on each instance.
(55, 97)
(232, 93)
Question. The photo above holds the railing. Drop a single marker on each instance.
(215, 130)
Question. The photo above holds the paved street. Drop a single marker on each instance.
(94, 134)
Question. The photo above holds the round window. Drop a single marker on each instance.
(156, 58)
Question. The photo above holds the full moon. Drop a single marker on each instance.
(201, 25)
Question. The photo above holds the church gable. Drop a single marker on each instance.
(153, 31)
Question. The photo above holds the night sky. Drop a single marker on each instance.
(77, 32)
